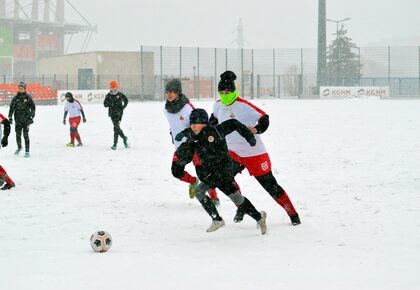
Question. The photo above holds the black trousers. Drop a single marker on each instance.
(19, 127)
(269, 183)
(228, 187)
(116, 120)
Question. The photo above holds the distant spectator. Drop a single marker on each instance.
(23, 109)
(116, 102)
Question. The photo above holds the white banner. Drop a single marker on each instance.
(84, 96)
(355, 92)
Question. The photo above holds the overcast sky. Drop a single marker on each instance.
(127, 24)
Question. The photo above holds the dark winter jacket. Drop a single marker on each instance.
(210, 145)
(115, 104)
(23, 108)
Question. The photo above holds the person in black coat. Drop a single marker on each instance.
(116, 102)
(23, 109)
(4, 177)
(217, 170)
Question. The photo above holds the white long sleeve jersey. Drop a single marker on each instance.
(246, 113)
(179, 122)
(73, 108)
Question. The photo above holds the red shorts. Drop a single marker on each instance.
(196, 161)
(74, 122)
(257, 165)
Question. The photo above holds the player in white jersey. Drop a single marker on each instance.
(177, 111)
(4, 177)
(254, 158)
(75, 110)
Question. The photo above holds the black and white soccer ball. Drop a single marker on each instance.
(101, 241)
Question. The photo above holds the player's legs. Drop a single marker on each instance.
(74, 133)
(212, 192)
(18, 130)
(4, 177)
(229, 187)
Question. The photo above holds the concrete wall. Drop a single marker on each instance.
(125, 67)
(63, 71)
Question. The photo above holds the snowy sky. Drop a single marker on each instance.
(126, 24)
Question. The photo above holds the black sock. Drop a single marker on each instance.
(210, 208)
(249, 208)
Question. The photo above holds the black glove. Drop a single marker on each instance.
(180, 136)
(4, 142)
(30, 121)
(64, 121)
(11, 120)
(84, 120)
(252, 141)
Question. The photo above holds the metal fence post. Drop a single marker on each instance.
(180, 62)
(226, 57)
(215, 74)
(274, 72)
(360, 68)
(301, 74)
(198, 73)
(142, 73)
(389, 67)
(419, 72)
(242, 73)
(252, 73)
(161, 72)
(258, 86)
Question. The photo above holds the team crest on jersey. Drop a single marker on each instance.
(264, 166)
(181, 118)
(232, 115)
(210, 139)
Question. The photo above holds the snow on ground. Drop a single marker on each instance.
(350, 166)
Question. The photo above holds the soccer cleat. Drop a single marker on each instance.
(125, 140)
(70, 145)
(18, 151)
(215, 225)
(8, 186)
(216, 202)
(192, 187)
(27, 155)
(80, 145)
(295, 219)
(114, 147)
(239, 216)
(261, 224)
(2, 179)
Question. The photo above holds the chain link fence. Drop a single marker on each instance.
(262, 73)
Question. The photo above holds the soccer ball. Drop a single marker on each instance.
(101, 241)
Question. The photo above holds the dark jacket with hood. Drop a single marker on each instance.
(116, 103)
(23, 108)
(211, 147)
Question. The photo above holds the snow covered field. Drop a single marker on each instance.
(351, 167)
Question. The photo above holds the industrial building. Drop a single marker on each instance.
(134, 71)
